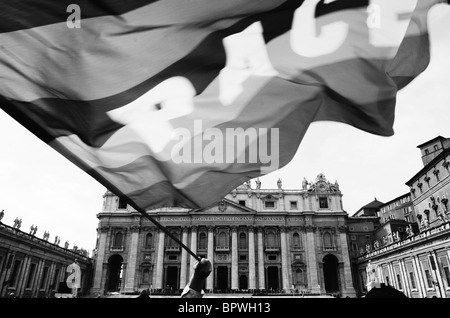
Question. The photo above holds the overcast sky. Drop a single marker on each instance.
(43, 188)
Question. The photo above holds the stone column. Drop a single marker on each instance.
(348, 288)
(37, 279)
(404, 276)
(437, 276)
(50, 278)
(261, 276)
(251, 258)
(313, 278)
(210, 279)
(25, 269)
(5, 273)
(392, 276)
(416, 277)
(193, 249)
(183, 270)
(380, 273)
(421, 282)
(234, 259)
(98, 287)
(284, 262)
(133, 248)
(160, 260)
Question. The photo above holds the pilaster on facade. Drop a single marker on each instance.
(160, 261)
(98, 284)
(129, 283)
(184, 257)
(261, 271)
(284, 263)
(348, 288)
(251, 258)
(234, 259)
(313, 277)
(210, 279)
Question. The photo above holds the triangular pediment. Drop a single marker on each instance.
(225, 206)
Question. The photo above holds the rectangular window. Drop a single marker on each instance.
(432, 262)
(242, 257)
(15, 271)
(429, 278)
(44, 278)
(447, 275)
(412, 280)
(55, 279)
(399, 282)
(173, 257)
(323, 203)
(272, 257)
(122, 203)
(269, 204)
(242, 202)
(293, 205)
(445, 270)
(363, 281)
(31, 276)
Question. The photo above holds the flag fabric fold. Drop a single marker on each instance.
(175, 103)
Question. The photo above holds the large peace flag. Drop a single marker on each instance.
(175, 103)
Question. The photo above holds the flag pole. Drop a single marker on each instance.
(173, 237)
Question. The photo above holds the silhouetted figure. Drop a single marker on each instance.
(385, 291)
(144, 294)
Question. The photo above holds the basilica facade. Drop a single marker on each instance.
(257, 239)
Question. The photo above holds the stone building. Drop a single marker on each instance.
(32, 267)
(257, 240)
(400, 208)
(417, 262)
(362, 226)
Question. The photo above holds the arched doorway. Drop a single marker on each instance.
(331, 273)
(114, 273)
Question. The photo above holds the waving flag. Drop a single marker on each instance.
(175, 103)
